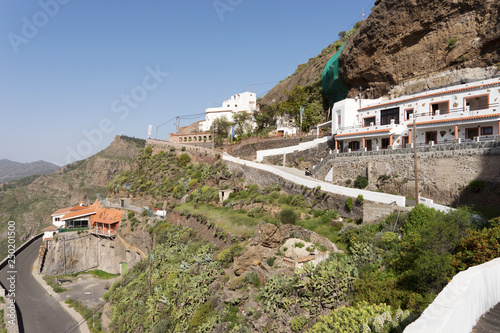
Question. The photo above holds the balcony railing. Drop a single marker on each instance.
(102, 232)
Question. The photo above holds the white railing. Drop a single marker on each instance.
(462, 302)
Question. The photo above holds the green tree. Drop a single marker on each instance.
(240, 120)
(221, 129)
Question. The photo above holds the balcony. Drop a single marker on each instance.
(103, 232)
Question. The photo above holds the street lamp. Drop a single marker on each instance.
(93, 307)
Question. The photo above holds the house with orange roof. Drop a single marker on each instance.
(58, 214)
(456, 114)
(105, 222)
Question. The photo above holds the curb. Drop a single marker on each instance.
(83, 327)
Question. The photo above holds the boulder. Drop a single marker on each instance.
(243, 263)
(269, 235)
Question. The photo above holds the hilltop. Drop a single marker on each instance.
(10, 170)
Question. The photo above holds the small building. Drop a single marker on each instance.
(105, 222)
(60, 213)
(48, 233)
(242, 102)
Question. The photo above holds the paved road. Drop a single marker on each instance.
(40, 313)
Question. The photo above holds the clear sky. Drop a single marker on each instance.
(75, 73)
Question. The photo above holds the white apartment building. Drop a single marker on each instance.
(461, 113)
(243, 102)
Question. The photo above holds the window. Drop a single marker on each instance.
(443, 107)
(405, 141)
(387, 115)
(58, 219)
(430, 136)
(477, 102)
(368, 144)
(354, 145)
(487, 130)
(339, 120)
(385, 143)
(408, 112)
(470, 133)
(367, 121)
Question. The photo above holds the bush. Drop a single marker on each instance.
(183, 160)
(148, 150)
(201, 314)
(349, 204)
(298, 323)
(270, 261)
(476, 185)
(360, 199)
(226, 256)
(253, 278)
(361, 182)
(288, 216)
(130, 214)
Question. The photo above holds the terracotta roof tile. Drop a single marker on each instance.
(61, 211)
(51, 228)
(83, 212)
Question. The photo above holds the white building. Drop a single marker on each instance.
(461, 113)
(243, 102)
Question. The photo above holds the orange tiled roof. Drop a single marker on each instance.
(51, 228)
(83, 212)
(306, 259)
(61, 211)
(456, 119)
(107, 214)
(105, 221)
(78, 207)
(364, 132)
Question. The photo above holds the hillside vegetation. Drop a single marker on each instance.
(387, 274)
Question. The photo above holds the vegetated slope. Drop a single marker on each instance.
(193, 286)
(404, 39)
(30, 201)
(10, 170)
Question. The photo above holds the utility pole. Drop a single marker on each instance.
(177, 120)
(415, 154)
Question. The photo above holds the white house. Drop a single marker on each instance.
(243, 102)
(461, 113)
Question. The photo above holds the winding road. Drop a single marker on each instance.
(40, 313)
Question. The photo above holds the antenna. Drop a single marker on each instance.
(363, 13)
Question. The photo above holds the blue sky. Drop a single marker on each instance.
(76, 73)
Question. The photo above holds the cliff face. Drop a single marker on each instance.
(402, 40)
(435, 42)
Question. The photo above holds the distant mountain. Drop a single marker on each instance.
(10, 170)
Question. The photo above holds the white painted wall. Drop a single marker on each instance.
(288, 150)
(246, 101)
(462, 302)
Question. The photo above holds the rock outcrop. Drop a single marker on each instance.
(404, 40)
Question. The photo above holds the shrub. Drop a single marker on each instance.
(130, 214)
(361, 182)
(476, 185)
(148, 150)
(299, 245)
(270, 261)
(183, 160)
(253, 278)
(298, 323)
(226, 256)
(201, 314)
(452, 43)
(349, 204)
(183, 148)
(384, 177)
(348, 182)
(288, 216)
(360, 199)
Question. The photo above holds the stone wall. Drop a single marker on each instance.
(301, 159)
(72, 253)
(374, 212)
(443, 171)
(247, 149)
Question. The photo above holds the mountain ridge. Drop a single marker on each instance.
(12, 170)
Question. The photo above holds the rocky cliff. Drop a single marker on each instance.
(409, 46)
(403, 40)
